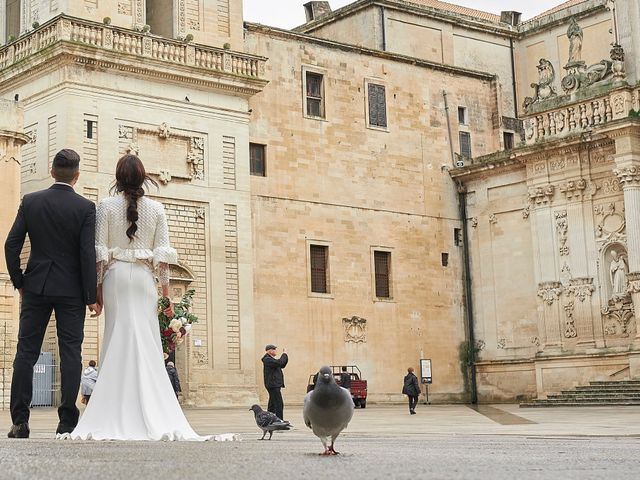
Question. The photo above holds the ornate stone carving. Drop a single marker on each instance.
(493, 219)
(355, 330)
(549, 292)
(581, 288)
(526, 211)
(575, 35)
(569, 323)
(502, 343)
(544, 88)
(474, 222)
(618, 315)
(201, 357)
(618, 270)
(200, 213)
(133, 148)
(195, 158)
(562, 228)
(164, 176)
(565, 274)
(628, 175)
(633, 280)
(542, 195)
(574, 189)
(617, 65)
(611, 222)
(164, 131)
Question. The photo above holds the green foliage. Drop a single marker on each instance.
(181, 311)
(634, 114)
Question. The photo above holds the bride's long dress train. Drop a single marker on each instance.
(133, 398)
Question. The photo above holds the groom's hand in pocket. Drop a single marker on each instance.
(96, 310)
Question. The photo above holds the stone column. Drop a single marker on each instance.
(11, 140)
(627, 169)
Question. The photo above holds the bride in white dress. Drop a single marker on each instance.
(133, 398)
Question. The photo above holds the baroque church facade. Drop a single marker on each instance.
(392, 180)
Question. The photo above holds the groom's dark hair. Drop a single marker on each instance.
(65, 165)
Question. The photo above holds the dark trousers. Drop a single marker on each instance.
(35, 312)
(276, 405)
(413, 401)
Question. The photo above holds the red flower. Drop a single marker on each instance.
(168, 332)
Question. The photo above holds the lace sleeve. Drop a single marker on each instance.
(162, 251)
(163, 274)
(102, 235)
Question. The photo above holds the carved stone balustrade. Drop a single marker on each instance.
(77, 31)
(581, 117)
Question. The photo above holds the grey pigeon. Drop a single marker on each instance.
(328, 409)
(268, 422)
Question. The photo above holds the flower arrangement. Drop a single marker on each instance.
(174, 329)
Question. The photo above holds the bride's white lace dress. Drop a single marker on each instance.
(133, 398)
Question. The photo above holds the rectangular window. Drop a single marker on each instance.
(257, 160)
(445, 259)
(465, 144)
(90, 124)
(457, 237)
(508, 140)
(382, 265)
(462, 116)
(319, 255)
(315, 94)
(377, 105)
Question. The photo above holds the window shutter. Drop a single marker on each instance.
(382, 262)
(318, 254)
(377, 105)
(465, 144)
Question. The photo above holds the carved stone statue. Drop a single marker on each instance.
(544, 88)
(575, 41)
(618, 274)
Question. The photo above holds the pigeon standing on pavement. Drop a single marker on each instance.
(268, 422)
(328, 408)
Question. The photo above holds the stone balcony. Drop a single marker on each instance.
(240, 68)
(581, 116)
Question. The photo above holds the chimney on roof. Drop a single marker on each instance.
(314, 10)
(510, 17)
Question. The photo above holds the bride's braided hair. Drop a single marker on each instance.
(130, 180)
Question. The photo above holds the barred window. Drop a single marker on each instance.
(257, 160)
(465, 144)
(377, 105)
(319, 261)
(315, 94)
(508, 140)
(382, 265)
(462, 116)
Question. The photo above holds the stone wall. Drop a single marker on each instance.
(340, 183)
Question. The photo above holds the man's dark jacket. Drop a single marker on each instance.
(411, 386)
(273, 377)
(61, 226)
(173, 377)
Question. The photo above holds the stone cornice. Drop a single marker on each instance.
(301, 37)
(420, 10)
(16, 136)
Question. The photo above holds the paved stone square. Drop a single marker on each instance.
(440, 442)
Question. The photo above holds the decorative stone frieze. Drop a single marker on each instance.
(549, 292)
(618, 317)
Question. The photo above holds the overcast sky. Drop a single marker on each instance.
(289, 13)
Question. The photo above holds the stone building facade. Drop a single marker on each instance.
(390, 181)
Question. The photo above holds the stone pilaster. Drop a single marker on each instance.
(628, 172)
(11, 140)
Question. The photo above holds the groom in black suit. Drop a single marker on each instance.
(61, 278)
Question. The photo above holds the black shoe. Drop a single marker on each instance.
(413, 412)
(19, 431)
(64, 428)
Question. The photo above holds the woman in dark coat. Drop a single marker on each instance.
(411, 389)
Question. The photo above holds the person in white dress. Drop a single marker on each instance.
(133, 398)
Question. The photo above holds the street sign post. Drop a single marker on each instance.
(426, 376)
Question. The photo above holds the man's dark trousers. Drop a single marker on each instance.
(413, 401)
(276, 405)
(35, 313)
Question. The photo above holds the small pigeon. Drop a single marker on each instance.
(328, 409)
(268, 422)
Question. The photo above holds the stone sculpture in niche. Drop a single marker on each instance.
(618, 271)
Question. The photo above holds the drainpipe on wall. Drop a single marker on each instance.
(446, 113)
(383, 21)
(513, 78)
(468, 299)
